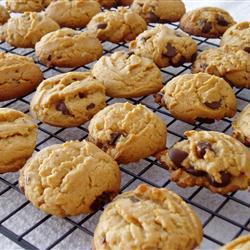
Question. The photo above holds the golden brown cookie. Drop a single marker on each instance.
(17, 139)
(206, 22)
(210, 159)
(19, 75)
(70, 179)
(113, 3)
(27, 5)
(128, 132)
(68, 48)
(241, 126)
(73, 14)
(127, 75)
(165, 46)
(117, 26)
(4, 15)
(194, 97)
(238, 35)
(148, 218)
(26, 30)
(68, 100)
(159, 11)
(228, 62)
(240, 243)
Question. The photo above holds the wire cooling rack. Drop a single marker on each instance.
(224, 217)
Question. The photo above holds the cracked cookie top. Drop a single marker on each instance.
(114, 3)
(67, 179)
(27, 5)
(148, 218)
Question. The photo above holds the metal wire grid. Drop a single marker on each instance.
(224, 217)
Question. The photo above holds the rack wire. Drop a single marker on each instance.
(224, 217)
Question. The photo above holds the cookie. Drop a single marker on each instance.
(238, 35)
(117, 26)
(240, 243)
(241, 126)
(209, 159)
(73, 14)
(68, 179)
(4, 15)
(128, 132)
(68, 48)
(68, 100)
(165, 46)
(113, 3)
(228, 62)
(198, 97)
(128, 75)
(19, 75)
(18, 139)
(148, 218)
(159, 11)
(26, 30)
(27, 5)
(206, 22)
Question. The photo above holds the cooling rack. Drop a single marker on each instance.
(223, 217)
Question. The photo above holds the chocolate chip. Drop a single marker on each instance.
(82, 95)
(49, 57)
(134, 199)
(22, 189)
(225, 179)
(130, 53)
(205, 26)
(205, 120)
(195, 172)
(222, 21)
(103, 242)
(247, 49)
(90, 106)
(177, 156)
(114, 137)
(101, 200)
(158, 98)
(203, 66)
(152, 17)
(202, 147)
(171, 50)
(101, 26)
(61, 106)
(213, 105)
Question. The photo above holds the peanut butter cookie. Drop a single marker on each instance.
(210, 159)
(68, 100)
(70, 179)
(148, 218)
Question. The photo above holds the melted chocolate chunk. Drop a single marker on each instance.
(202, 147)
(158, 98)
(222, 21)
(134, 199)
(171, 50)
(114, 137)
(130, 53)
(213, 105)
(195, 172)
(177, 156)
(225, 179)
(22, 189)
(101, 26)
(49, 57)
(90, 106)
(205, 120)
(101, 200)
(247, 49)
(152, 17)
(203, 66)
(61, 106)
(205, 26)
(82, 95)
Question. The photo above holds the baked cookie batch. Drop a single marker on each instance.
(82, 176)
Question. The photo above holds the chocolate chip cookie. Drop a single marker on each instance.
(4, 15)
(113, 3)
(238, 35)
(240, 243)
(117, 26)
(198, 97)
(148, 218)
(128, 132)
(19, 75)
(127, 75)
(165, 46)
(159, 11)
(241, 126)
(27, 5)
(70, 179)
(72, 14)
(206, 22)
(68, 48)
(228, 62)
(18, 139)
(210, 159)
(26, 30)
(68, 100)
